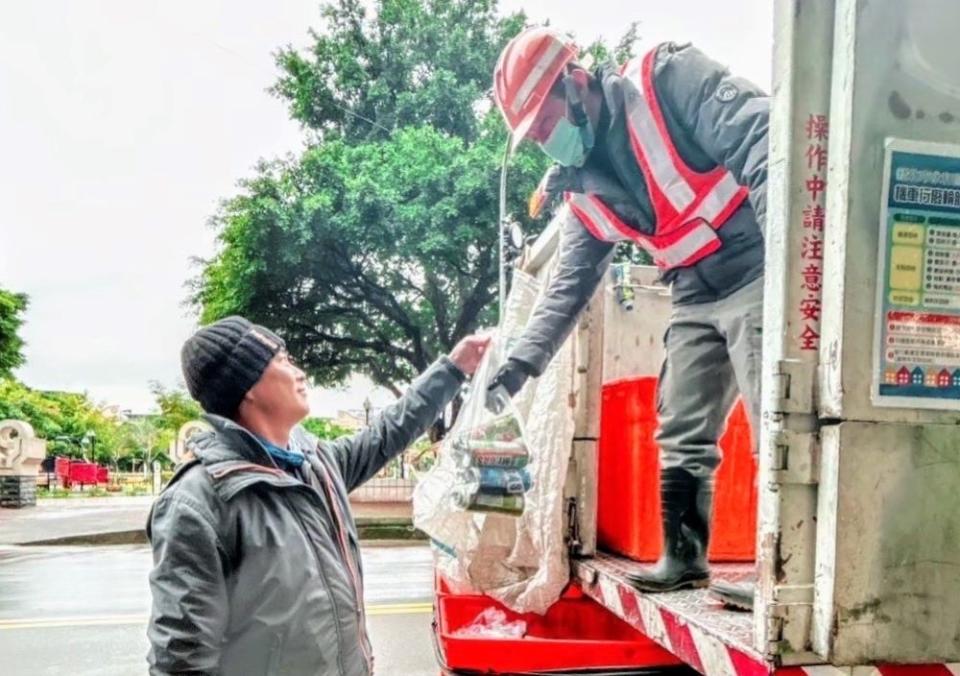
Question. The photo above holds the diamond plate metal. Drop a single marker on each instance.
(694, 607)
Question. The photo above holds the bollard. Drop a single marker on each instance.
(156, 477)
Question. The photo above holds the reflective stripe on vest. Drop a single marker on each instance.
(688, 206)
(681, 248)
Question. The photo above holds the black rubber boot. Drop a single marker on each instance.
(736, 595)
(686, 502)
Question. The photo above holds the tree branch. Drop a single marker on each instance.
(382, 346)
(478, 298)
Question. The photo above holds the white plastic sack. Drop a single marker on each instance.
(520, 560)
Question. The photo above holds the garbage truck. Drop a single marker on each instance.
(849, 519)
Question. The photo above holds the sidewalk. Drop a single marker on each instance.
(121, 520)
(71, 518)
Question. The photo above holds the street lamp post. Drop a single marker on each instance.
(89, 440)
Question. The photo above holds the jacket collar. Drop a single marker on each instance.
(235, 459)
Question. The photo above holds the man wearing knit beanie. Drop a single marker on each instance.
(256, 556)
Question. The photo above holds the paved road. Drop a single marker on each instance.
(82, 610)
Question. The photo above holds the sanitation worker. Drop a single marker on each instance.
(668, 151)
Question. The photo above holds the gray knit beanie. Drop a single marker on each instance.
(221, 362)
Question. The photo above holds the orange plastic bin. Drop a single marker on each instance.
(628, 511)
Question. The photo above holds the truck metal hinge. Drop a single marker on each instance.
(793, 595)
(793, 382)
(775, 642)
(582, 345)
(573, 527)
(796, 457)
(793, 603)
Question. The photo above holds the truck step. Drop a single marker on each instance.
(691, 624)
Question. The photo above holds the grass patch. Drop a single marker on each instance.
(53, 493)
(129, 491)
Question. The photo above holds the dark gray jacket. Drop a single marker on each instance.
(257, 572)
(708, 129)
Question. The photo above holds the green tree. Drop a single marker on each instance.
(176, 408)
(625, 49)
(400, 63)
(19, 402)
(12, 308)
(376, 250)
(325, 429)
(145, 440)
(374, 257)
(71, 423)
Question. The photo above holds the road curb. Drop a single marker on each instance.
(367, 528)
(120, 537)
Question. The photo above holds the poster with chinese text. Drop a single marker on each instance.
(917, 334)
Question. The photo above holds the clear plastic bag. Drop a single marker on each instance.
(489, 451)
(492, 623)
(483, 469)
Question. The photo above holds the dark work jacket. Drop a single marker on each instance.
(708, 130)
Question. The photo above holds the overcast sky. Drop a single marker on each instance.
(123, 123)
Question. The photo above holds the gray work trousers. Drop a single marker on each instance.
(712, 354)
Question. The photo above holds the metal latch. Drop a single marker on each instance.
(793, 381)
(796, 457)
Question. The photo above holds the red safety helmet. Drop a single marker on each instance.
(526, 72)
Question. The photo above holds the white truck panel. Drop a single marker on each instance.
(888, 565)
(887, 551)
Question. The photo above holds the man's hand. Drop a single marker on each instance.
(506, 383)
(466, 355)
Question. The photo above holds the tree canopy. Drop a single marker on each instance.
(76, 426)
(12, 308)
(325, 429)
(377, 67)
(176, 408)
(70, 422)
(375, 250)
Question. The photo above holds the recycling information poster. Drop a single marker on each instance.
(917, 348)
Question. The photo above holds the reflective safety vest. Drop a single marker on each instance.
(688, 206)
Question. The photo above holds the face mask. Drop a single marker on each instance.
(569, 144)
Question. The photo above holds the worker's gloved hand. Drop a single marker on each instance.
(506, 383)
